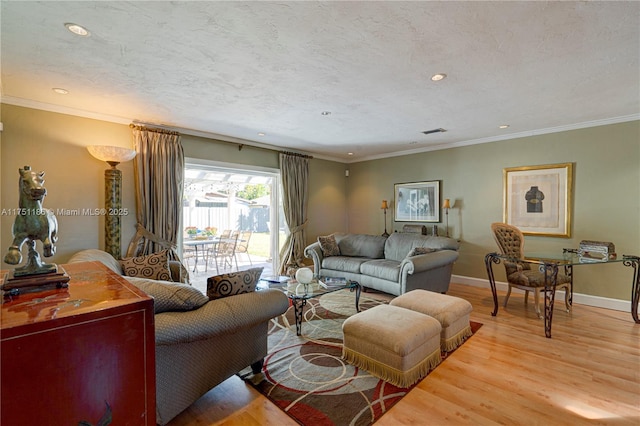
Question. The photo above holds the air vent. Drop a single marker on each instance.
(440, 130)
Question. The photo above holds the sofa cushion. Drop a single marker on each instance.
(169, 296)
(399, 245)
(152, 266)
(329, 246)
(344, 263)
(382, 268)
(225, 285)
(359, 245)
(92, 255)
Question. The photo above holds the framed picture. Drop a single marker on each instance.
(537, 199)
(417, 202)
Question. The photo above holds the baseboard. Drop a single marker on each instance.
(581, 299)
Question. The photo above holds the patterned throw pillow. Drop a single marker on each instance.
(233, 283)
(153, 266)
(420, 250)
(329, 246)
(170, 296)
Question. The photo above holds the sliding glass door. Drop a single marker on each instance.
(220, 197)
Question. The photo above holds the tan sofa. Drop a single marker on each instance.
(198, 349)
(387, 263)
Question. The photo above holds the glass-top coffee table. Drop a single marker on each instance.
(299, 293)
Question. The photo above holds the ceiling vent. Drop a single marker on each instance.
(439, 130)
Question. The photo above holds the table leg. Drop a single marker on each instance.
(298, 309)
(195, 262)
(633, 261)
(358, 289)
(489, 260)
(550, 284)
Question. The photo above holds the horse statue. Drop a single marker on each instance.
(33, 222)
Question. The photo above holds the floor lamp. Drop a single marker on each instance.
(446, 206)
(113, 155)
(384, 207)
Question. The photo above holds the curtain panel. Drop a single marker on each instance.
(159, 175)
(294, 171)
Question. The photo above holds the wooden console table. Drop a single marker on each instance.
(78, 354)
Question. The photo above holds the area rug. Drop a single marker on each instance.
(306, 377)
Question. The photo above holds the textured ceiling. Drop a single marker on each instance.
(239, 68)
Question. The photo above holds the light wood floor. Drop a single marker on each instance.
(588, 373)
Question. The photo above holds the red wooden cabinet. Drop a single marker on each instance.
(78, 354)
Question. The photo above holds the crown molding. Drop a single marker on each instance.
(208, 135)
(576, 126)
(26, 103)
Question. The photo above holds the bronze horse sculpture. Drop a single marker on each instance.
(33, 222)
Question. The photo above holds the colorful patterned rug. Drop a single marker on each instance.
(306, 377)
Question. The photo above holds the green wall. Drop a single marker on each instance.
(606, 187)
(606, 196)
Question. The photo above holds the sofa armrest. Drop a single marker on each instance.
(314, 252)
(220, 316)
(425, 262)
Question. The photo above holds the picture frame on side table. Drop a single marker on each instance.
(417, 202)
(538, 199)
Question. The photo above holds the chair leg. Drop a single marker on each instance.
(536, 295)
(506, 299)
(526, 297)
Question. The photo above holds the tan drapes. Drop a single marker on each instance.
(159, 173)
(294, 170)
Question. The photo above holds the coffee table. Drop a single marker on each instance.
(299, 293)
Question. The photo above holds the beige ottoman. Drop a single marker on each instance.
(451, 312)
(394, 344)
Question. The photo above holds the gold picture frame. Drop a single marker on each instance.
(538, 199)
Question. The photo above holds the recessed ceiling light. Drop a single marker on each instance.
(326, 113)
(349, 153)
(60, 91)
(504, 126)
(438, 77)
(77, 29)
(261, 134)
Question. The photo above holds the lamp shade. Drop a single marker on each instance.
(111, 154)
(446, 204)
(385, 205)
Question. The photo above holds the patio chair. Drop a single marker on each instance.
(242, 246)
(223, 252)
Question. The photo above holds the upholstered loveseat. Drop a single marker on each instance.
(396, 264)
(200, 342)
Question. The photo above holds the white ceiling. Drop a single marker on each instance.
(239, 68)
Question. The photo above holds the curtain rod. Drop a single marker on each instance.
(240, 146)
(152, 129)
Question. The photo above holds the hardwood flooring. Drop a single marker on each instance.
(588, 373)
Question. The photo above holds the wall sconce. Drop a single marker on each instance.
(446, 206)
(384, 207)
(113, 155)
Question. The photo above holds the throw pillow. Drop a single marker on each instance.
(153, 266)
(226, 285)
(168, 296)
(420, 250)
(329, 246)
